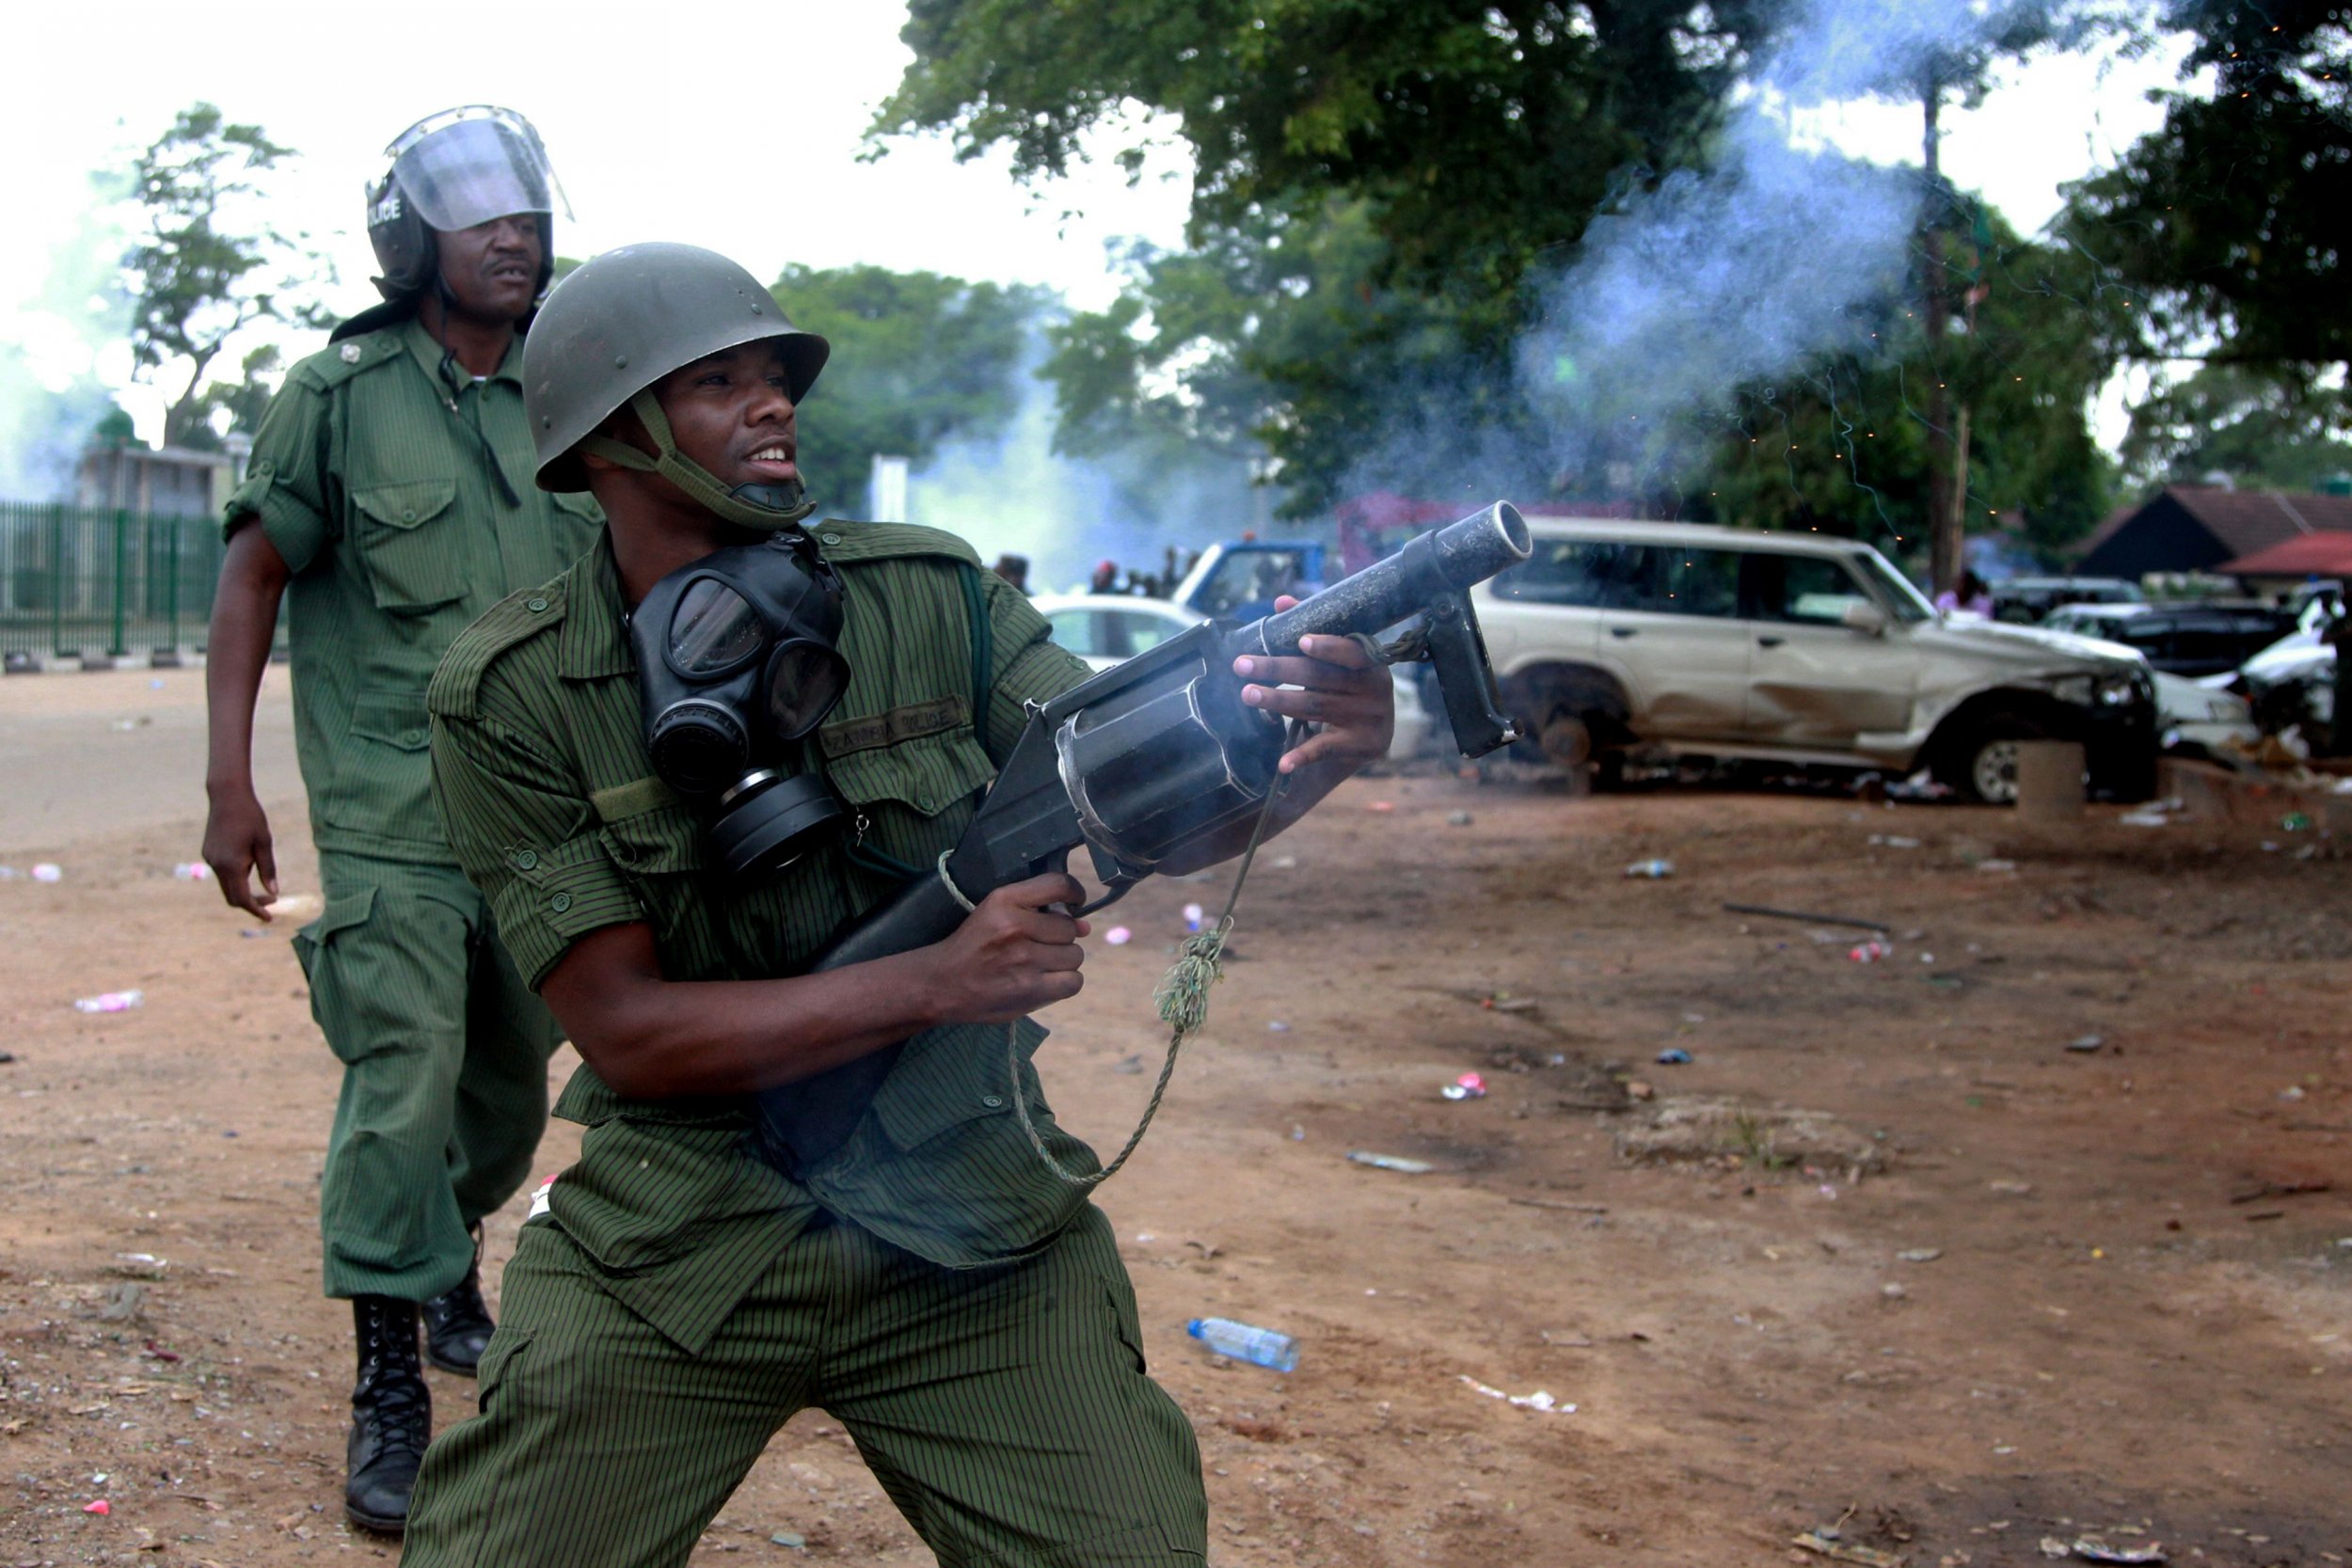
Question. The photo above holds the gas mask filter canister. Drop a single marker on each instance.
(735, 657)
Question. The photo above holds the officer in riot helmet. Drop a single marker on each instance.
(387, 504)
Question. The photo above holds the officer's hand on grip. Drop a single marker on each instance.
(1012, 955)
(236, 846)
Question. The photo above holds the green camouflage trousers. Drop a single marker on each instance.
(1004, 1410)
(445, 1072)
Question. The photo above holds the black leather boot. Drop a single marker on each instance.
(457, 1326)
(391, 1415)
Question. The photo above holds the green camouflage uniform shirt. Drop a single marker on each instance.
(372, 475)
(540, 767)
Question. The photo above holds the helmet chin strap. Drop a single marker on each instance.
(762, 508)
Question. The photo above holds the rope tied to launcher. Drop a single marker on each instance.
(1181, 997)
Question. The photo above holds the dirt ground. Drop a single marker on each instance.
(1991, 1292)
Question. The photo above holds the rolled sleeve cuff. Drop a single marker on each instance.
(294, 529)
(553, 897)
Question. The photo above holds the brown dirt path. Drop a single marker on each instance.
(2105, 1340)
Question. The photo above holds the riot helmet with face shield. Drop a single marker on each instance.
(449, 172)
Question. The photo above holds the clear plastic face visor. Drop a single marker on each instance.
(469, 165)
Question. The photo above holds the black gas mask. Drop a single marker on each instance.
(736, 660)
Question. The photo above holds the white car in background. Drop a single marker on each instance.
(1110, 629)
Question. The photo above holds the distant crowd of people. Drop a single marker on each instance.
(1108, 575)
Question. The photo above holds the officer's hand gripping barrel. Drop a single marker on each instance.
(1153, 755)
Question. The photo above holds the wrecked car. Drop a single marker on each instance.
(1685, 639)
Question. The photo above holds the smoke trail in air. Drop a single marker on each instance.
(51, 392)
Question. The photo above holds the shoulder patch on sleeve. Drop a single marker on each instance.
(506, 626)
(848, 541)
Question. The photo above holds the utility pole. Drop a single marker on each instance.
(1946, 490)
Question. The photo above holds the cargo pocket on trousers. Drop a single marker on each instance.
(313, 942)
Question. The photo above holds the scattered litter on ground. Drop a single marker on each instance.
(1119, 936)
(1469, 1087)
(1276, 1026)
(1540, 1400)
(1870, 952)
(2144, 820)
(2296, 822)
(1656, 870)
(1128, 1065)
(1771, 913)
(1674, 1056)
(1380, 806)
(1194, 915)
(2010, 1188)
(298, 906)
(1285, 862)
(2087, 1042)
(1920, 1254)
(48, 871)
(102, 1507)
(1826, 1543)
(6, 1056)
(110, 1002)
(1391, 1161)
(1893, 1292)
(192, 871)
(1893, 842)
(1997, 865)
(787, 1538)
(1503, 1002)
(1458, 819)
(2090, 1548)
(2282, 1189)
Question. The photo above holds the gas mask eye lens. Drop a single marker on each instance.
(713, 629)
(804, 680)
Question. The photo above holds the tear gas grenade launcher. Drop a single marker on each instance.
(1155, 754)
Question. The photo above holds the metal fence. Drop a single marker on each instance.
(79, 584)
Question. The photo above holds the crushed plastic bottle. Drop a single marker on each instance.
(1655, 870)
(192, 871)
(1260, 1347)
(110, 1002)
(1193, 914)
(48, 871)
(1470, 1085)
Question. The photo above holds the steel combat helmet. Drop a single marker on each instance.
(450, 171)
(615, 325)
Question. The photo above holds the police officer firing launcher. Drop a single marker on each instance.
(673, 773)
(389, 503)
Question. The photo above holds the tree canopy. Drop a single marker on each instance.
(917, 357)
(203, 269)
(2232, 222)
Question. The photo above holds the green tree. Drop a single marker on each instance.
(2245, 420)
(1478, 135)
(1844, 446)
(201, 271)
(2232, 223)
(917, 358)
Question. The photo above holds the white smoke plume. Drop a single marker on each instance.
(1748, 269)
(1011, 492)
(60, 347)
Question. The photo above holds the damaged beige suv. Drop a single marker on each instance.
(1622, 637)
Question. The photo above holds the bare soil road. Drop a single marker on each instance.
(1987, 1292)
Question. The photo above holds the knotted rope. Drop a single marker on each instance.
(1182, 999)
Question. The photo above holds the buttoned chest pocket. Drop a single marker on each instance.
(906, 795)
(410, 544)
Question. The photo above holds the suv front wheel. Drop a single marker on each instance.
(1980, 764)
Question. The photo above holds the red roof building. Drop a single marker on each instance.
(2202, 528)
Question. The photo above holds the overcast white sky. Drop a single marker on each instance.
(738, 126)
